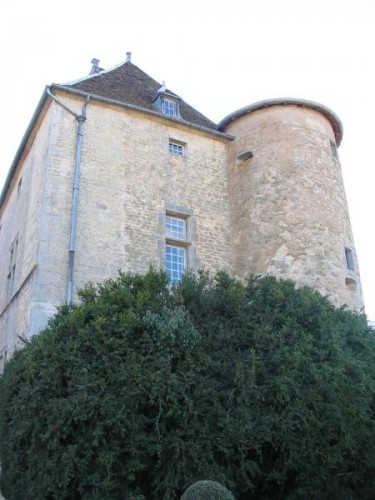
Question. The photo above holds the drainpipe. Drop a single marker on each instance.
(73, 224)
(81, 118)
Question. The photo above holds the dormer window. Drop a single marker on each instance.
(167, 102)
(169, 107)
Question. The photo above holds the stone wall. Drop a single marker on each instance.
(289, 211)
(129, 180)
(282, 211)
(20, 218)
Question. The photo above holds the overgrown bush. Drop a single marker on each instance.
(207, 490)
(143, 389)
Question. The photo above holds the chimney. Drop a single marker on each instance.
(95, 66)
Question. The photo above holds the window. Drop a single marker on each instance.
(351, 284)
(12, 266)
(349, 259)
(3, 359)
(176, 148)
(175, 262)
(169, 107)
(167, 102)
(176, 247)
(247, 155)
(19, 188)
(175, 227)
(334, 150)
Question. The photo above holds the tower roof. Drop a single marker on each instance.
(285, 101)
(128, 84)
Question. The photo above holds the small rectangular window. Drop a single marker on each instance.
(247, 155)
(12, 266)
(334, 150)
(175, 227)
(176, 148)
(349, 259)
(19, 187)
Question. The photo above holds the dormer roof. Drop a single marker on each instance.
(128, 84)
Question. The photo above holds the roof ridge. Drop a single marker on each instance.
(93, 75)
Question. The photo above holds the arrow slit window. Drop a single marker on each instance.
(12, 266)
(349, 259)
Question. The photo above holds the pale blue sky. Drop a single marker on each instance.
(218, 57)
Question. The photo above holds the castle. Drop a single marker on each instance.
(115, 171)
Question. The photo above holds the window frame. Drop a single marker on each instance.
(180, 243)
(176, 147)
(169, 106)
(175, 262)
(13, 250)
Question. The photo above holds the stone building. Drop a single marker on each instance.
(115, 171)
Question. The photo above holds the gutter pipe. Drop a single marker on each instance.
(73, 224)
(77, 172)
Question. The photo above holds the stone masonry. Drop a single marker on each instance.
(261, 193)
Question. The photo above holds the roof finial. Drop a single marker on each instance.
(128, 57)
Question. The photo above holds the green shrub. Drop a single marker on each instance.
(207, 490)
(142, 389)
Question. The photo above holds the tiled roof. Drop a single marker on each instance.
(129, 84)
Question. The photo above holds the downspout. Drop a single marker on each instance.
(77, 171)
(73, 224)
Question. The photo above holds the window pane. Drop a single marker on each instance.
(176, 148)
(175, 228)
(175, 262)
(169, 107)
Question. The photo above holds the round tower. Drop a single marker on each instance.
(289, 212)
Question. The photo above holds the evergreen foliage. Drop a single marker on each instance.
(207, 490)
(143, 389)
